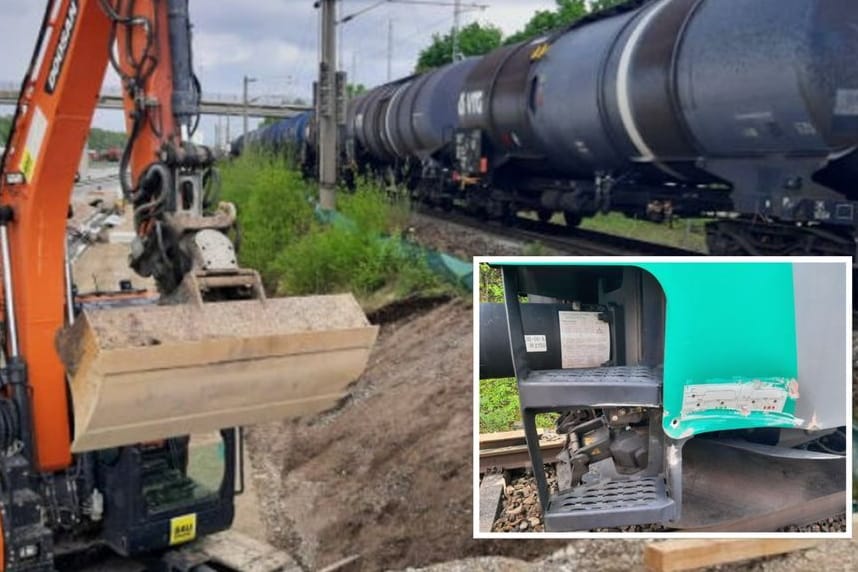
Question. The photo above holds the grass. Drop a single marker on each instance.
(298, 255)
(689, 234)
(491, 284)
(500, 409)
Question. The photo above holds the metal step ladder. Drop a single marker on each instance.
(564, 388)
(622, 501)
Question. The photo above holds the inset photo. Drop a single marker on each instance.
(662, 396)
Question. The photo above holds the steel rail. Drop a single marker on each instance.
(560, 238)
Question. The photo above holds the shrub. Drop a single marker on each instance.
(274, 209)
(500, 409)
(296, 254)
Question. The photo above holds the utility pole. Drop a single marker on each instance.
(327, 107)
(390, 49)
(341, 62)
(247, 82)
(457, 12)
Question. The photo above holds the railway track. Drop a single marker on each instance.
(508, 450)
(576, 242)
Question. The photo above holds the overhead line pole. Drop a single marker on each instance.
(389, 49)
(246, 101)
(457, 11)
(327, 107)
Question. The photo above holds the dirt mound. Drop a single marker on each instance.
(388, 475)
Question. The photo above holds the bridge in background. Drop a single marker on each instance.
(212, 103)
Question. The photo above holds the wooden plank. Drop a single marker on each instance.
(491, 493)
(688, 554)
(204, 374)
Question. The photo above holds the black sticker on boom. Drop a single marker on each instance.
(59, 59)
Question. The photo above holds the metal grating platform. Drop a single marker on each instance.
(560, 388)
(610, 504)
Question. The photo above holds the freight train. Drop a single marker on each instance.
(742, 110)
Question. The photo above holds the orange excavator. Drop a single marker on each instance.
(97, 404)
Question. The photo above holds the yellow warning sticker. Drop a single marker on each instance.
(28, 165)
(183, 529)
(540, 52)
(33, 146)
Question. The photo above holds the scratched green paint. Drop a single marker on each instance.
(726, 322)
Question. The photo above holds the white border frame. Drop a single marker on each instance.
(847, 261)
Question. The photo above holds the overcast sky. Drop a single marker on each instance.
(276, 41)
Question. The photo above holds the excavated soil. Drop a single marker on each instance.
(388, 475)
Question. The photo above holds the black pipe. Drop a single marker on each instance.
(16, 377)
(537, 320)
(185, 96)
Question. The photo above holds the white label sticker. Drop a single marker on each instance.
(742, 397)
(847, 102)
(536, 343)
(585, 340)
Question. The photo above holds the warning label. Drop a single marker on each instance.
(33, 147)
(585, 340)
(536, 343)
(743, 397)
(847, 102)
(183, 529)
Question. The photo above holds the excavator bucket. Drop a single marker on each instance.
(145, 373)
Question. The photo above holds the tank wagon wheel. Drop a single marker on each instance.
(501, 210)
(544, 215)
(572, 219)
(476, 208)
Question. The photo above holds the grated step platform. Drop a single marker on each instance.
(610, 504)
(602, 386)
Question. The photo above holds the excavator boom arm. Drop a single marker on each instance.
(51, 126)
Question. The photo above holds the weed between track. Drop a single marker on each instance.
(685, 233)
(689, 234)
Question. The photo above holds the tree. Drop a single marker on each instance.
(474, 40)
(597, 5)
(5, 125)
(567, 12)
(103, 139)
(354, 90)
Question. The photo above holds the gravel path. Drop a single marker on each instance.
(627, 556)
(464, 242)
